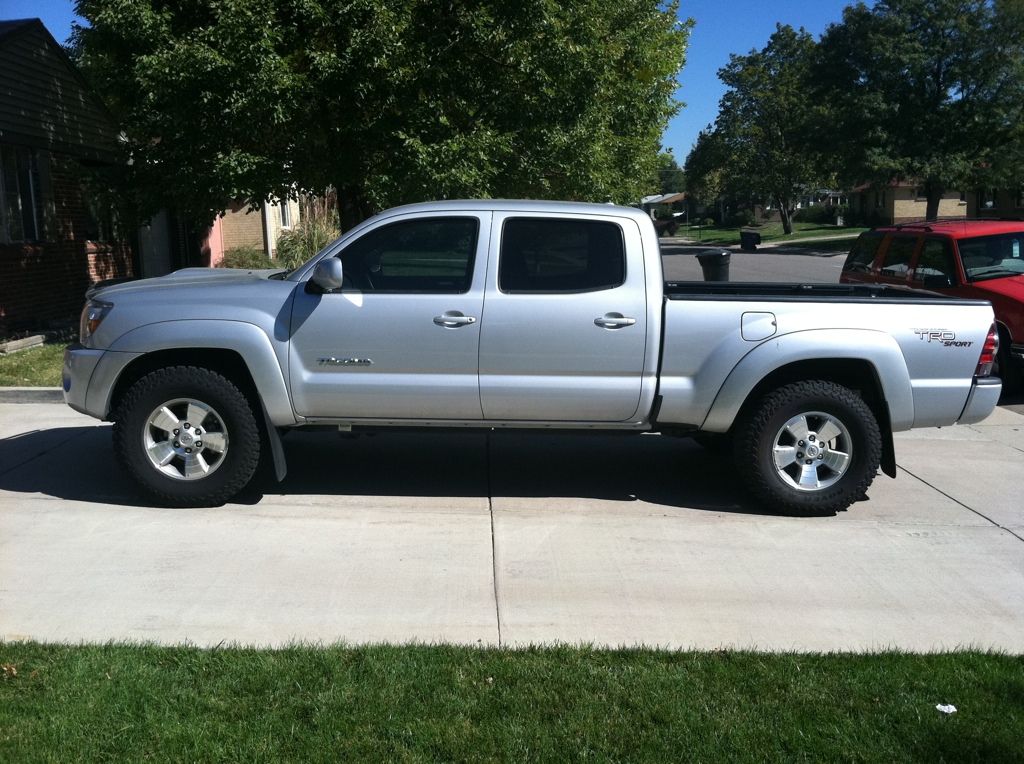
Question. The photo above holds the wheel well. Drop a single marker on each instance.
(225, 362)
(856, 374)
(1004, 332)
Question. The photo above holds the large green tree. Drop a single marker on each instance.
(766, 119)
(930, 91)
(388, 102)
(705, 167)
(670, 176)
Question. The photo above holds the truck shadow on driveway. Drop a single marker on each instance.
(77, 464)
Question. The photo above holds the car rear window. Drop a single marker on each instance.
(863, 253)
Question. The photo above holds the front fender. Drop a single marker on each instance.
(877, 348)
(246, 339)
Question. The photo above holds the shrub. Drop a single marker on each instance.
(317, 228)
(739, 218)
(819, 213)
(249, 258)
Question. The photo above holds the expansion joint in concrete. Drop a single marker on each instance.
(494, 551)
(982, 515)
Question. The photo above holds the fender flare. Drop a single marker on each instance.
(248, 340)
(879, 349)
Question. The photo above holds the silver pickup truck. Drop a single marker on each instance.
(542, 315)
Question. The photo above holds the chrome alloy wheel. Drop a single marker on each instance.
(185, 439)
(812, 451)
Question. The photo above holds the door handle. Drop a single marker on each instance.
(614, 321)
(453, 319)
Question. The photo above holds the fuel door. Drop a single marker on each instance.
(755, 327)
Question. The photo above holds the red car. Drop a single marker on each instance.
(980, 259)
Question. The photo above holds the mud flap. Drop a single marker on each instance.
(276, 449)
(888, 463)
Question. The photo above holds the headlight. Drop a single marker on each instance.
(92, 316)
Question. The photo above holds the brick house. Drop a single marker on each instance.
(901, 202)
(996, 203)
(240, 226)
(56, 238)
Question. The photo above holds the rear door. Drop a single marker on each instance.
(565, 319)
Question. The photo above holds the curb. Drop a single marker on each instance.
(31, 395)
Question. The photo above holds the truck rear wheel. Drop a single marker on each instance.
(187, 436)
(810, 446)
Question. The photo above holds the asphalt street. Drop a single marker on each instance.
(513, 539)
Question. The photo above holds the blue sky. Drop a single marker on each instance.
(722, 27)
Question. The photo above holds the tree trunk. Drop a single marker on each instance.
(787, 220)
(353, 208)
(934, 192)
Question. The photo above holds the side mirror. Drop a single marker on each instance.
(327, 274)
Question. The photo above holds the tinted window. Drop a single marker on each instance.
(897, 257)
(542, 255)
(862, 255)
(935, 264)
(426, 255)
(992, 257)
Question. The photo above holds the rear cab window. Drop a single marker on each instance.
(545, 255)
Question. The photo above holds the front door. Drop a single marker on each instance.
(400, 339)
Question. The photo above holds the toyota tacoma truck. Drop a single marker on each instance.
(530, 315)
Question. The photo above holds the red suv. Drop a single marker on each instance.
(980, 259)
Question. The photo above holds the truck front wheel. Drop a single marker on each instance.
(810, 446)
(187, 436)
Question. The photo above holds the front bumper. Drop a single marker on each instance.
(88, 378)
(79, 365)
(982, 400)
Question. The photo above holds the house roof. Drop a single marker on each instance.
(45, 102)
(9, 25)
(663, 198)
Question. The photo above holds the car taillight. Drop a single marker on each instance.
(988, 353)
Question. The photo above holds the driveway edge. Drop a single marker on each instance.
(31, 395)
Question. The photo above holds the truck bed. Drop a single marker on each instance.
(715, 290)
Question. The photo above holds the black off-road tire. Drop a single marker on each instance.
(233, 412)
(761, 429)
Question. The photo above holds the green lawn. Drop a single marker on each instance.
(426, 703)
(769, 232)
(37, 367)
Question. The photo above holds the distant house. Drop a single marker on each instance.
(901, 202)
(242, 226)
(996, 203)
(56, 238)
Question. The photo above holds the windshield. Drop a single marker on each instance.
(993, 257)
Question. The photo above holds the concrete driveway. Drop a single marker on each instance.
(512, 539)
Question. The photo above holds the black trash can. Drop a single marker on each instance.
(715, 266)
(749, 240)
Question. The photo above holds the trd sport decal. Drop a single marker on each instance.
(944, 336)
